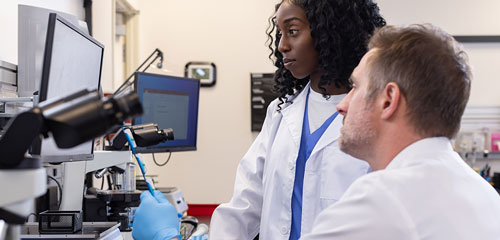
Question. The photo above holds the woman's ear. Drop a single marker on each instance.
(391, 99)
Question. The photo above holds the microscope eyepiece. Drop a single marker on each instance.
(77, 120)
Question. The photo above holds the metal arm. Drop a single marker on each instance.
(159, 54)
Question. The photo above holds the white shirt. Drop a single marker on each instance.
(261, 202)
(426, 192)
(321, 108)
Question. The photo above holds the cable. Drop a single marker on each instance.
(163, 164)
(60, 191)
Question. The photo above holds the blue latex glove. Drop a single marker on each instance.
(155, 218)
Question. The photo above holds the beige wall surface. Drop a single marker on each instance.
(231, 33)
(103, 31)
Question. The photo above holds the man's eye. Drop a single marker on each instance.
(293, 31)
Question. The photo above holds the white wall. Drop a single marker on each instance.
(460, 17)
(103, 30)
(8, 21)
(230, 33)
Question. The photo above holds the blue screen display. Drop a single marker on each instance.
(170, 102)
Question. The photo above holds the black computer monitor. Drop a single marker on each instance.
(72, 62)
(170, 102)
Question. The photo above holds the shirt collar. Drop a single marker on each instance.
(318, 97)
(415, 152)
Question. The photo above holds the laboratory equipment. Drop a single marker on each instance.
(201, 233)
(90, 231)
(175, 197)
(8, 90)
(32, 32)
(72, 62)
(67, 222)
(170, 102)
(188, 226)
(129, 81)
(144, 135)
(117, 204)
(71, 120)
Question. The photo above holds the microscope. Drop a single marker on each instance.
(117, 203)
(71, 120)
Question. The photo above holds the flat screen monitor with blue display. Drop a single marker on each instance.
(170, 102)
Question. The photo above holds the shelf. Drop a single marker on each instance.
(17, 99)
(478, 39)
(481, 156)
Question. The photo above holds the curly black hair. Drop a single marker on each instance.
(340, 30)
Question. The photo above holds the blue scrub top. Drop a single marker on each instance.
(307, 143)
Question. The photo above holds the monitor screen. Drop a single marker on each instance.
(32, 31)
(170, 102)
(72, 62)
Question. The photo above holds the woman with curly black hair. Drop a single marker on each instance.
(295, 169)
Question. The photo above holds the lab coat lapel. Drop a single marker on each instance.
(331, 134)
(293, 115)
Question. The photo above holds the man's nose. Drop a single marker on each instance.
(344, 104)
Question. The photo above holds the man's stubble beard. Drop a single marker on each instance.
(358, 136)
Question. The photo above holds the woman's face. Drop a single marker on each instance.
(296, 44)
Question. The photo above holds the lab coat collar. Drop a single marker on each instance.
(331, 134)
(424, 148)
(293, 116)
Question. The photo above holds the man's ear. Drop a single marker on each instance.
(391, 100)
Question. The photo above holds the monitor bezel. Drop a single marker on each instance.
(47, 58)
(161, 149)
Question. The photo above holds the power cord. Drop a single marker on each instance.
(162, 164)
(60, 191)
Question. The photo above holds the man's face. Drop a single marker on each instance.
(296, 44)
(359, 128)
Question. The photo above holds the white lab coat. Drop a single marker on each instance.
(426, 192)
(261, 202)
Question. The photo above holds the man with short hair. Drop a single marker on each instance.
(409, 93)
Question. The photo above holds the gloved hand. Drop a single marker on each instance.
(155, 218)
